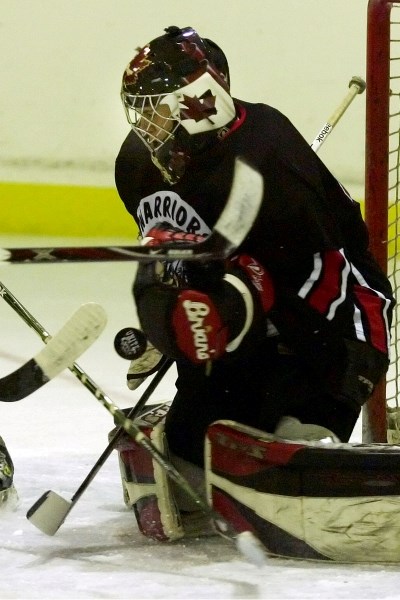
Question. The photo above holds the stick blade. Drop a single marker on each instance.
(49, 512)
(76, 336)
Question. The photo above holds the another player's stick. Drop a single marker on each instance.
(230, 230)
(50, 510)
(246, 542)
(45, 336)
(78, 334)
(52, 515)
(228, 233)
(357, 86)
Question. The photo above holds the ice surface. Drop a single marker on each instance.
(57, 434)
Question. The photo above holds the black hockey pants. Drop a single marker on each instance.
(269, 384)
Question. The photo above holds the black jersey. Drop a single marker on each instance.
(309, 233)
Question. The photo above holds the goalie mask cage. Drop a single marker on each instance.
(381, 415)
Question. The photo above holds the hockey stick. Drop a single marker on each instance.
(57, 508)
(357, 86)
(45, 337)
(78, 334)
(50, 510)
(228, 233)
(245, 541)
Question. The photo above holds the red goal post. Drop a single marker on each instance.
(381, 415)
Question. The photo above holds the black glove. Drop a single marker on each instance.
(203, 312)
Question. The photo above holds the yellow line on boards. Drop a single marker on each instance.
(55, 210)
(65, 210)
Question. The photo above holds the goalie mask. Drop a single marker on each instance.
(176, 97)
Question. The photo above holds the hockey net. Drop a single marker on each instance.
(381, 416)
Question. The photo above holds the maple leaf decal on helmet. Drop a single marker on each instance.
(137, 64)
(198, 108)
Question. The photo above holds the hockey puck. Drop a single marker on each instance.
(130, 343)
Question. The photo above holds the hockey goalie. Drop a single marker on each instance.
(285, 340)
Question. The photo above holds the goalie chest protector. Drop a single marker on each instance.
(307, 500)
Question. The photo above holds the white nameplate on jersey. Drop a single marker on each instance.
(168, 207)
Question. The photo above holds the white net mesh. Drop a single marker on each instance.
(393, 377)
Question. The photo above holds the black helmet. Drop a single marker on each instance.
(176, 95)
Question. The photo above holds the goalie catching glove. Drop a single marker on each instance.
(202, 312)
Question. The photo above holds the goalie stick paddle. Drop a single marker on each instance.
(76, 336)
(230, 230)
